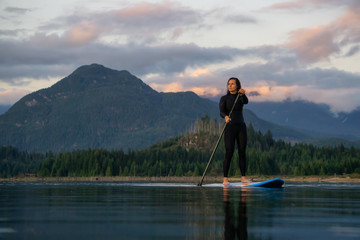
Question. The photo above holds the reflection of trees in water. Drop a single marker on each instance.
(235, 221)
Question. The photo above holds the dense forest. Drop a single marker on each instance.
(16, 163)
(186, 155)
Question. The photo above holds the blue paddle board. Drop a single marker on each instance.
(272, 183)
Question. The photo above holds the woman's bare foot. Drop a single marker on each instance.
(245, 180)
(226, 181)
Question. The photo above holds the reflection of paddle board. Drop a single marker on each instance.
(272, 183)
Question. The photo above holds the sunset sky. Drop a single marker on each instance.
(300, 49)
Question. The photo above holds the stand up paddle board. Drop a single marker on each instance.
(272, 183)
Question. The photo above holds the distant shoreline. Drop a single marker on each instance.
(332, 179)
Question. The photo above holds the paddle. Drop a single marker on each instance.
(217, 143)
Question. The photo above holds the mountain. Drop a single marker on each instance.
(278, 132)
(313, 119)
(4, 108)
(97, 107)
(351, 119)
(333, 142)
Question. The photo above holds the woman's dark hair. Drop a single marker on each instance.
(238, 84)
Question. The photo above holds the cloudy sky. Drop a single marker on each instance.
(298, 49)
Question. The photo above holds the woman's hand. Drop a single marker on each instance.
(241, 91)
(227, 119)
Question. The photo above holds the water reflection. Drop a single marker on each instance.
(235, 221)
(170, 211)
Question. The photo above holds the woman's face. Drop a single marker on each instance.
(232, 86)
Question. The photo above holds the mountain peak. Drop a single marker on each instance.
(96, 69)
(95, 76)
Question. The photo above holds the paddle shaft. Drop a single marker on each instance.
(217, 143)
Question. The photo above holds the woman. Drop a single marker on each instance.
(235, 129)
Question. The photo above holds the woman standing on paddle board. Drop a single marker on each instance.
(236, 128)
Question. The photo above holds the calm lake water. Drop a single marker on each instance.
(113, 210)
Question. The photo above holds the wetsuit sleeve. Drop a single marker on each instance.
(244, 99)
(222, 107)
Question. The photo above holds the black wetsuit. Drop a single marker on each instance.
(235, 130)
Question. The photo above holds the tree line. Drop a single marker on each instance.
(14, 162)
(186, 155)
